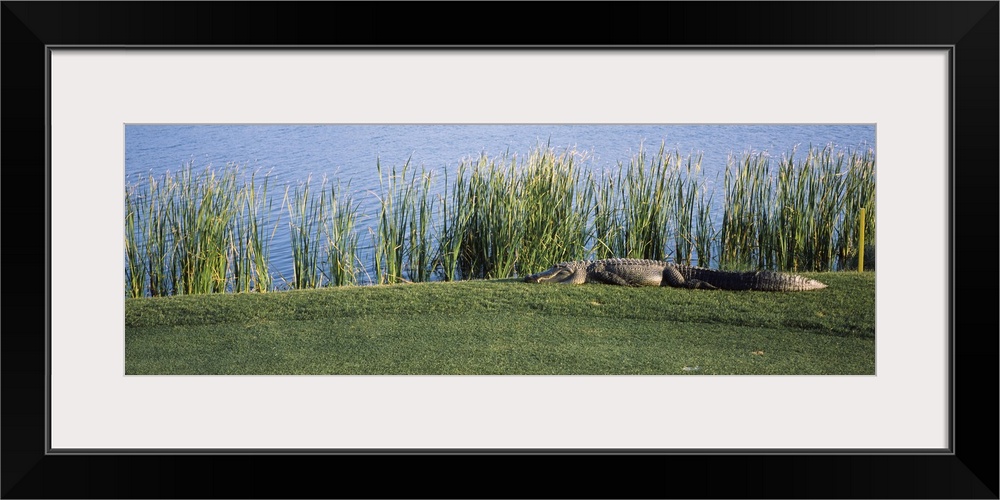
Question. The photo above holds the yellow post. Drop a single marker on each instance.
(861, 243)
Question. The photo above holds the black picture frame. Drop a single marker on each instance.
(970, 29)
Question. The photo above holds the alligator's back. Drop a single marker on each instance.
(627, 272)
(679, 275)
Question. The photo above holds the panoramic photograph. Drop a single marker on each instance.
(514, 249)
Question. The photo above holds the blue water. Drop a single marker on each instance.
(291, 154)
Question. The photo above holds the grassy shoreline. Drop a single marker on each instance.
(493, 327)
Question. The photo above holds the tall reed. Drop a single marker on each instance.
(162, 265)
(420, 246)
(646, 205)
(746, 212)
(826, 190)
(685, 183)
(196, 232)
(608, 233)
(390, 240)
(341, 237)
(507, 216)
(796, 217)
(859, 192)
(135, 270)
(704, 226)
(793, 216)
(557, 202)
(634, 207)
(455, 211)
(652, 207)
(250, 251)
(493, 237)
(203, 212)
(307, 215)
(148, 238)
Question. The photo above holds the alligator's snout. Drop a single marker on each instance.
(540, 277)
(557, 274)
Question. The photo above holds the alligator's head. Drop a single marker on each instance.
(570, 273)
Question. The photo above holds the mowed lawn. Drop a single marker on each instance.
(507, 327)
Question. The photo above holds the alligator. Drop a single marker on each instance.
(643, 272)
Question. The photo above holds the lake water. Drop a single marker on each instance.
(294, 153)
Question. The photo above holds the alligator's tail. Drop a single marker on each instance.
(746, 280)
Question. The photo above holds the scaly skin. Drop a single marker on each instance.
(640, 272)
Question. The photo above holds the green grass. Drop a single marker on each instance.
(507, 327)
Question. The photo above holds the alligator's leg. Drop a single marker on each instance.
(699, 284)
(673, 277)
